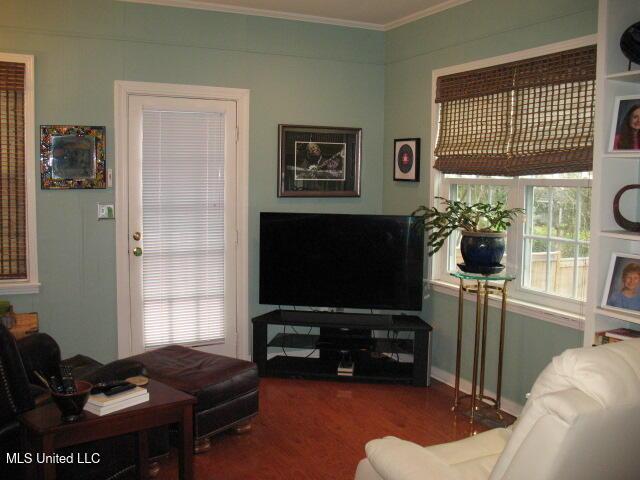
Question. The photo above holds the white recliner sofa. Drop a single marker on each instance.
(581, 421)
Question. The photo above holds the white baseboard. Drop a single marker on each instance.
(509, 406)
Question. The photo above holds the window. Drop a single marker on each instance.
(18, 257)
(548, 247)
(521, 133)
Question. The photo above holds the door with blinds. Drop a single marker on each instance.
(182, 223)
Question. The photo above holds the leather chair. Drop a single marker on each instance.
(581, 421)
(18, 394)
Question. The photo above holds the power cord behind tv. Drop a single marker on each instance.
(284, 335)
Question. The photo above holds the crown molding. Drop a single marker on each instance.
(258, 12)
(424, 13)
(217, 7)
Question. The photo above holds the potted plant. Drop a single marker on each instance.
(483, 227)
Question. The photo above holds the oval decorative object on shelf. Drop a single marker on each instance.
(620, 220)
(630, 43)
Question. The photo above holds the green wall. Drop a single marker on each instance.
(476, 30)
(298, 73)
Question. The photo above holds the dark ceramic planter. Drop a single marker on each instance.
(71, 405)
(482, 251)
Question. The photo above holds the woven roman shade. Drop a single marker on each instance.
(13, 232)
(534, 116)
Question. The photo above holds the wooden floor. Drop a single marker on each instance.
(318, 429)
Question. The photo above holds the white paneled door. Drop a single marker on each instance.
(182, 223)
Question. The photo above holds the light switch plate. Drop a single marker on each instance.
(106, 211)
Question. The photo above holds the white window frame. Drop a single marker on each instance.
(31, 283)
(542, 305)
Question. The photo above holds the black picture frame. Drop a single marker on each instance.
(406, 159)
(318, 161)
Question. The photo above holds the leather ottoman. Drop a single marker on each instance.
(226, 388)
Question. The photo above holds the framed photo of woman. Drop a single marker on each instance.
(625, 128)
(622, 289)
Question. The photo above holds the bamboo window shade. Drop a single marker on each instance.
(13, 232)
(529, 117)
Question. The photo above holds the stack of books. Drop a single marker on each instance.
(616, 335)
(102, 404)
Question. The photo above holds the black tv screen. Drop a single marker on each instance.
(330, 260)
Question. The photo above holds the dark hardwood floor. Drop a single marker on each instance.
(317, 430)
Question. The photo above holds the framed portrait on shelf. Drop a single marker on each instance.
(406, 160)
(625, 125)
(319, 161)
(622, 288)
(72, 157)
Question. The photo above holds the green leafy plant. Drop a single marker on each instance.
(479, 217)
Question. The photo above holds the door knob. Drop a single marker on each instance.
(137, 252)
(137, 236)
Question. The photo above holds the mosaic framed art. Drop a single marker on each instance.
(72, 157)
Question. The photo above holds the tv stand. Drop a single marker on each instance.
(376, 356)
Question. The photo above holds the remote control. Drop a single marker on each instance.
(105, 386)
(54, 384)
(119, 389)
(68, 383)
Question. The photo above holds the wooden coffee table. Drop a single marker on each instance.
(46, 432)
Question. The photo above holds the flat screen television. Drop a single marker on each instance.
(332, 260)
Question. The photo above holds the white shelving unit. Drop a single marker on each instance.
(611, 171)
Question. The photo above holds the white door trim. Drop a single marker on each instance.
(122, 90)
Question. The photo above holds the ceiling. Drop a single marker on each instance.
(372, 14)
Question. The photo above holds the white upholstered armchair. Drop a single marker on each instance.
(581, 421)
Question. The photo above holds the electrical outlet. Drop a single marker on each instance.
(106, 211)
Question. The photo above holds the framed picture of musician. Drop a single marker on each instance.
(406, 160)
(319, 161)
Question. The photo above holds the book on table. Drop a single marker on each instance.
(617, 335)
(102, 404)
(622, 333)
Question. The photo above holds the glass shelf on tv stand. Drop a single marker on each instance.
(314, 341)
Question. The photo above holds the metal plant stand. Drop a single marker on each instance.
(482, 286)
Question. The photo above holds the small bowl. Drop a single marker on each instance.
(72, 404)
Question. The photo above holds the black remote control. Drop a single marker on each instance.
(103, 387)
(68, 383)
(119, 389)
(54, 384)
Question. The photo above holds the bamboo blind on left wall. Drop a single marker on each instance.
(13, 231)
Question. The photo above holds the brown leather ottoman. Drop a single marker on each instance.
(226, 388)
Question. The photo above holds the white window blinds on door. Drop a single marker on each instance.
(183, 227)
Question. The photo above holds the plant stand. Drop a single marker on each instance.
(480, 285)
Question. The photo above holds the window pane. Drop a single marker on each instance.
(539, 211)
(572, 175)
(463, 192)
(553, 266)
(585, 214)
(583, 272)
(563, 212)
(479, 193)
(454, 246)
(561, 268)
(500, 195)
(535, 264)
